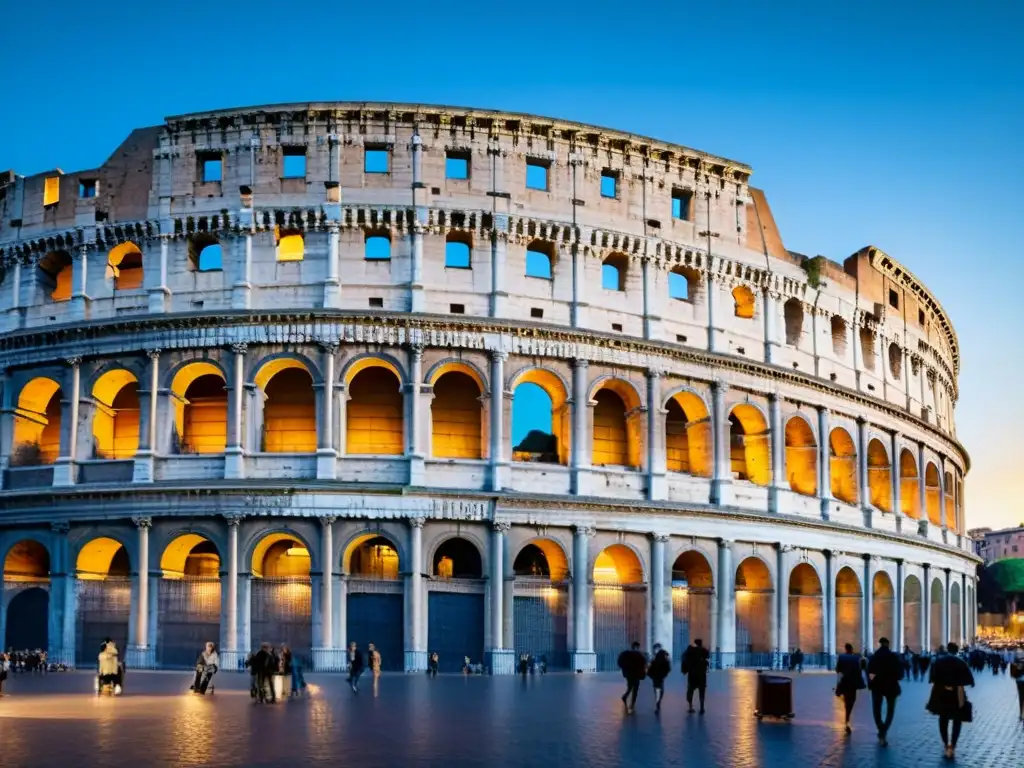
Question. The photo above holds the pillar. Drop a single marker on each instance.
(947, 631)
(415, 638)
(868, 608)
(160, 293)
(771, 321)
(726, 648)
(64, 470)
(922, 489)
(499, 463)
(661, 595)
(234, 453)
(652, 315)
(780, 616)
(7, 411)
(414, 427)
(241, 291)
(143, 654)
(964, 607)
(896, 474)
(657, 485)
(145, 457)
(332, 284)
(416, 298)
(864, 490)
(830, 605)
(583, 657)
(502, 659)
(721, 483)
(714, 325)
(328, 657)
(824, 462)
(901, 626)
(580, 427)
(79, 292)
(926, 611)
(777, 436)
(326, 455)
(942, 496)
(14, 311)
(499, 249)
(232, 653)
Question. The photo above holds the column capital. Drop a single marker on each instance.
(154, 354)
(234, 519)
(239, 348)
(499, 354)
(784, 548)
(719, 385)
(580, 363)
(501, 526)
(329, 347)
(660, 537)
(868, 557)
(726, 543)
(60, 526)
(417, 522)
(583, 530)
(143, 522)
(327, 520)
(74, 360)
(416, 349)
(656, 373)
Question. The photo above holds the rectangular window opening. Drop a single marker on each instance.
(51, 191)
(680, 338)
(211, 166)
(457, 309)
(920, 317)
(536, 312)
(616, 326)
(681, 204)
(376, 302)
(609, 183)
(376, 160)
(894, 299)
(293, 164)
(456, 165)
(537, 174)
(87, 188)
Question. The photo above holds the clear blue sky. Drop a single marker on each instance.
(897, 124)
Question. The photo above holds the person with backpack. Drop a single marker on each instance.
(633, 664)
(658, 671)
(696, 661)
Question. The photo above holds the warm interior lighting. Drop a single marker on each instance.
(297, 552)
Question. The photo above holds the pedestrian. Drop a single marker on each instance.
(373, 658)
(355, 666)
(851, 680)
(885, 670)
(798, 660)
(265, 665)
(432, 666)
(949, 676)
(206, 667)
(108, 667)
(696, 661)
(1017, 673)
(658, 671)
(5, 667)
(633, 664)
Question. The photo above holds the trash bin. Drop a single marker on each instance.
(774, 696)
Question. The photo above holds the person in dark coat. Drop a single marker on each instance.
(265, 664)
(885, 670)
(634, 667)
(356, 665)
(851, 680)
(658, 671)
(949, 676)
(695, 666)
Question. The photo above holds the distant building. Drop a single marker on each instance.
(991, 545)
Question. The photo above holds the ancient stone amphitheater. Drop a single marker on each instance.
(460, 381)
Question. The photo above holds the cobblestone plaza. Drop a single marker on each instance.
(559, 720)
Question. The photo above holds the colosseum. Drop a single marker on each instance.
(460, 381)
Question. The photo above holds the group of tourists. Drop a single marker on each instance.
(636, 666)
(269, 670)
(110, 669)
(31, 661)
(357, 664)
(530, 664)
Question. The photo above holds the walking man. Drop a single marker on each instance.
(885, 670)
(658, 671)
(695, 666)
(355, 666)
(634, 668)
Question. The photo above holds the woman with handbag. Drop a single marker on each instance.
(949, 676)
(850, 669)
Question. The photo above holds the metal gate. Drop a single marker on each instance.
(619, 620)
(848, 626)
(806, 625)
(282, 612)
(28, 616)
(189, 618)
(104, 609)
(912, 624)
(753, 629)
(378, 619)
(455, 629)
(540, 619)
(691, 618)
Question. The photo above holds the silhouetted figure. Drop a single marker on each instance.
(356, 665)
(950, 675)
(696, 660)
(265, 664)
(432, 665)
(658, 671)
(885, 670)
(634, 667)
(851, 680)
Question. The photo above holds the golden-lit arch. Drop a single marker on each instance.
(933, 491)
(804, 580)
(618, 425)
(100, 558)
(457, 366)
(883, 605)
(950, 500)
(200, 408)
(281, 555)
(752, 575)
(618, 564)
(843, 466)
(26, 560)
(364, 363)
(289, 410)
(693, 568)
(373, 556)
(271, 368)
(290, 244)
(879, 476)
(115, 423)
(749, 439)
(910, 489)
(560, 411)
(57, 273)
(848, 608)
(37, 419)
(688, 435)
(554, 560)
(744, 302)
(190, 555)
(801, 457)
(456, 415)
(374, 416)
(124, 266)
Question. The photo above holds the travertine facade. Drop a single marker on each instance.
(280, 350)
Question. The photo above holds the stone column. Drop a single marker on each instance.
(145, 457)
(241, 291)
(721, 483)
(14, 311)
(771, 320)
(926, 611)
(661, 595)
(580, 427)
(922, 488)
(502, 659)
(79, 293)
(499, 248)
(901, 620)
(777, 446)
(824, 462)
(231, 654)
(947, 631)
(499, 462)
(657, 485)
(583, 657)
(726, 649)
(160, 293)
(830, 604)
(326, 455)
(417, 301)
(867, 609)
(234, 452)
(864, 490)
(964, 607)
(896, 475)
(7, 411)
(332, 284)
(713, 321)
(652, 315)
(414, 429)
(942, 496)
(143, 654)
(327, 658)
(415, 640)
(64, 471)
(780, 616)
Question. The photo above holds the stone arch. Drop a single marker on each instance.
(188, 599)
(694, 568)
(359, 363)
(37, 420)
(266, 368)
(269, 553)
(688, 436)
(375, 412)
(620, 602)
(955, 613)
(933, 493)
(801, 456)
(200, 403)
(753, 588)
(205, 253)
(125, 266)
(686, 283)
(541, 257)
(457, 557)
(617, 423)
(536, 444)
(102, 557)
(693, 582)
(848, 598)
(55, 275)
(290, 244)
(614, 271)
(27, 559)
(618, 564)
(912, 596)
(744, 302)
(879, 475)
(289, 418)
(950, 503)
(540, 557)
(806, 598)
(453, 364)
(883, 607)
(793, 314)
(935, 608)
(281, 563)
(910, 495)
(749, 444)
(115, 422)
(457, 415)
(190, 555)
(843, 465)
(372, 555)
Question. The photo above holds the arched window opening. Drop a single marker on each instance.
(805, 611)
(289, 413)
(37, 420)
(843, 466)
(205, 253)
(910, 492)
(190, 556)
(883, 605)
(682, 283)
(541, 559)
(912, 596)
(377, 247)
(457, 248)
(838, 336)
(691, 570)
(102, 558)
(204, 414)
(744, 302)
(374, 414)
(895, 361)
(688, 435)
(285, 558)
(290, 244)
(933, 492)
(794, 315)
(456, 417)
(124, 267)
(540, 418)
(848, 608)
(801, 457)
(867, 347)
(618, 564)
(531, 561)
(753, 606)
(879, 476)
(613, 272)
(616, 438)
(115, 423)
(950, 502)
(55, 273)
(540, 259)
(457, 559)
(374, 558)
(27, 560)
(749, 445)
